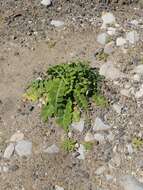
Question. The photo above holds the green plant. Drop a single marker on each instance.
(68, 145)
(102, 56)
(66, 90)
(100, 100)
(137, 142)
(88, 145)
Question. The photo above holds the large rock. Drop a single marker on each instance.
(102, 38)
(23, 148)
(53, 149)
(130, 183)
(99, 125)
(110, 71)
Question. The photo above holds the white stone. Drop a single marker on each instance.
(102, 38)
(130, 183)
(134, 22)
(100, 126)
(139, 93)
(99, 137)
(9, 151)
(57, 23)
(17, 137)
(109, 48)
(58, 187)
(125, 92)
(108, 19)
(81, 150)
(111, 31)
(132, 37)
(130, 148)
(110, 71)
(79, 126)
(53, 149)
(46, 2)
(138, 69)
(117, 108)
(23, 148)
(89, 137)
(120, 41)
(136, 77)
(100, 170)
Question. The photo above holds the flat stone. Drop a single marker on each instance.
(102, 38)
(17, 137)
(132, 37)
(58, 187)
(108, 19)
(79, 126)
(110, 71)
(57, 23)
(9, 151)
(23, 148)
(109, 48)
(100, 126)
(111, 31)
(89, 137)
(120, 41)
(130, 183)
(46, 2)
(81, 150)
(53, 149)
(117, 108)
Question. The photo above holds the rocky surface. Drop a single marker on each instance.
(109, 149)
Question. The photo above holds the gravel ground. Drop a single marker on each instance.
(32, 38)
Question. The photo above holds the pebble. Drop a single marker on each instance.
(58, 187)
(132, 37)
(117, 108)
(138, 69)
(9, 151)
(23, 148)
(79, 126)
(99, 137)
(129, 182)
(120, 41)
(111, 31)
(102, 38)
(130, 148)
(17, 137)
(57, 23)
(139, 93)
(53, 149)
(108, 19)
(46, 2)
(110, 72)
(89, 137)
(109, 48)
(99, 125)
(100, 170)
(81, 150)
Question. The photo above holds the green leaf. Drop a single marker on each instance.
(76, 116)
(100, 100)
(47, 111)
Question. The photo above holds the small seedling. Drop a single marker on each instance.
(137, 142)
(88, 145)
(68, 145)
(102, 56)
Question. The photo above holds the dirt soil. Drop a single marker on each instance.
(29, 45)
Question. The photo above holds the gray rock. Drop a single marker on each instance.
(100, 170)
(109, 48)
(108, 19)
(102, 38)
(79, 126)
(132, 37)
(100, 126)
(53, 149)
(9, 151)
(117, 108)
(139, 93)
(110, 72)
(57, 23)
(120, 41)
(130, 183)
(138, 69)
(81, 150)
(23, 148)
(46, 2)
